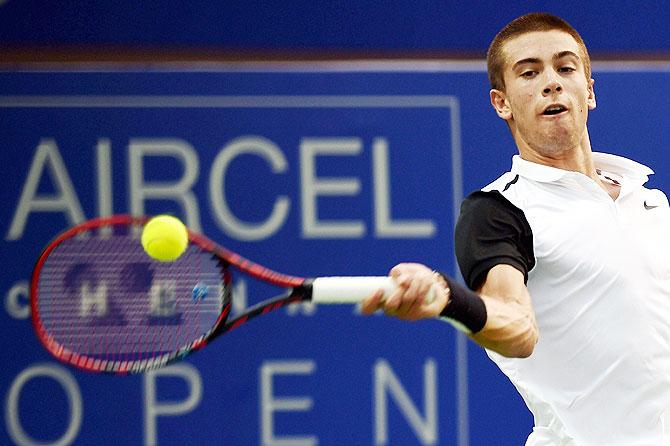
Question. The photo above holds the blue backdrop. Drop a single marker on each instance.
(366, 26)
(371, 164)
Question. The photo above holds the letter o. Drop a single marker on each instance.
(65, 379)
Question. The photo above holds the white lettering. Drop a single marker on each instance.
(93, 299)
(178, 191)
(67, 382)
(239, 296)
(47, 162)
(386, 381)
(104, 165)
(16, 301)
(64, 200)
(385, 227)
(312, 187)
(163, 298)
(304, 308)
(105, 198)
(271, 404)
(239, 229)
(153, 408)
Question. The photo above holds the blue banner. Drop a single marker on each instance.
(311, 172)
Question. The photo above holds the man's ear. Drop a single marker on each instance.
(591, 100)
(499, 103)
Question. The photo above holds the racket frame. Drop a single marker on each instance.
(299, 289)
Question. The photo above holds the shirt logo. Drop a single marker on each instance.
(647, 207)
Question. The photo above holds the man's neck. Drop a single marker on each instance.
(576, 159)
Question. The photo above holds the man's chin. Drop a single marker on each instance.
(556, 147)
(559, 140)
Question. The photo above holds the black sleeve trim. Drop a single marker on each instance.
(491, 231)
(508, 185)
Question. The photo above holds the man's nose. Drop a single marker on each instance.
(553, 85)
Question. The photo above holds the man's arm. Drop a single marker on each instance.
(510, 327)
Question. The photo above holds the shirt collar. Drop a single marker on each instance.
(612, 163)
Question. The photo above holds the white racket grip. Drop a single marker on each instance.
(353, 289)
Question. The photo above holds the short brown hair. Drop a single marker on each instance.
(536, 21)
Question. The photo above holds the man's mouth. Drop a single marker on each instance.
(554, 110)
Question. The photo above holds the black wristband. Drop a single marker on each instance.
(464, 307)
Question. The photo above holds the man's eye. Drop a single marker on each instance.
(566, 69)
(528, 73)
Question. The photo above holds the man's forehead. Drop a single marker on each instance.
(539, 45)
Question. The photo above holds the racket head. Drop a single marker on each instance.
(101, 304)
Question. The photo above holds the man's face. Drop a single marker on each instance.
(547, 96)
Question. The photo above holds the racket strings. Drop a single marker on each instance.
(102, 297)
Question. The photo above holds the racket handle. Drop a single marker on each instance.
(351, 290)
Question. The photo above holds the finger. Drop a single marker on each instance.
(393, 301)
(396, 271)
(373, 302)
(413, 309)
(402, 273)
(434, 297)
(418, 287)
(440, 299)
(403, 280)
(411, 305)
(427, 292)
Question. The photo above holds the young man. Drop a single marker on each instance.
(568, 256)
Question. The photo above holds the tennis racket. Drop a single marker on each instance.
(101, 304)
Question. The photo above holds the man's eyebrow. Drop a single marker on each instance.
(563, 54)
(557, 56)
(528, 60)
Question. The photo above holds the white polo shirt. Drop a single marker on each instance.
(600, 288)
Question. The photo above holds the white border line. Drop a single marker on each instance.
(258, 101)
(627, 66)
(306, 66)
(299, 66)
(461, 341)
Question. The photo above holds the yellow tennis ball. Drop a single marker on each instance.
(164, 238)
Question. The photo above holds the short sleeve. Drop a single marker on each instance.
(492, 231)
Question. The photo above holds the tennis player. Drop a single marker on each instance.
(566, 257)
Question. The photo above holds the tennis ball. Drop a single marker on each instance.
(164, 238)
